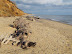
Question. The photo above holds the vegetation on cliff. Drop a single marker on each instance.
(8, 8)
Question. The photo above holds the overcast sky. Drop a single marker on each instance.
(47, 7)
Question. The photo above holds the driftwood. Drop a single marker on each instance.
(22, 32)
(0, 43)
(26, 44)
(32, 18)
(20, 23)
(19, 37)
(7, 39)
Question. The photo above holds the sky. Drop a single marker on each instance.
(45, 7)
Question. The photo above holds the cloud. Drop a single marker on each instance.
(55, 2)
(43, 1)
(22, 5)
(45, 6)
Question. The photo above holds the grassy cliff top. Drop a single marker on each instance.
(8, 8)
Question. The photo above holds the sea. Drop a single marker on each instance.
(67, 19)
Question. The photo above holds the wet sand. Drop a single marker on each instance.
(51, 37)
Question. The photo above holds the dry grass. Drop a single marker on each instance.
(8, 8)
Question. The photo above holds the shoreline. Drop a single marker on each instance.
(59, 22)
(52, 19)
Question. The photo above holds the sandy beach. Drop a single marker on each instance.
(51, 37)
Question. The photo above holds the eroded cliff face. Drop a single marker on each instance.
(8, 8)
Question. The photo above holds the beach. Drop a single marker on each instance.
(51, 37)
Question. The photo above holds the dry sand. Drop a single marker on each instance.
(51, 37)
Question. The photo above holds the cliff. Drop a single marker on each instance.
(8, 8)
